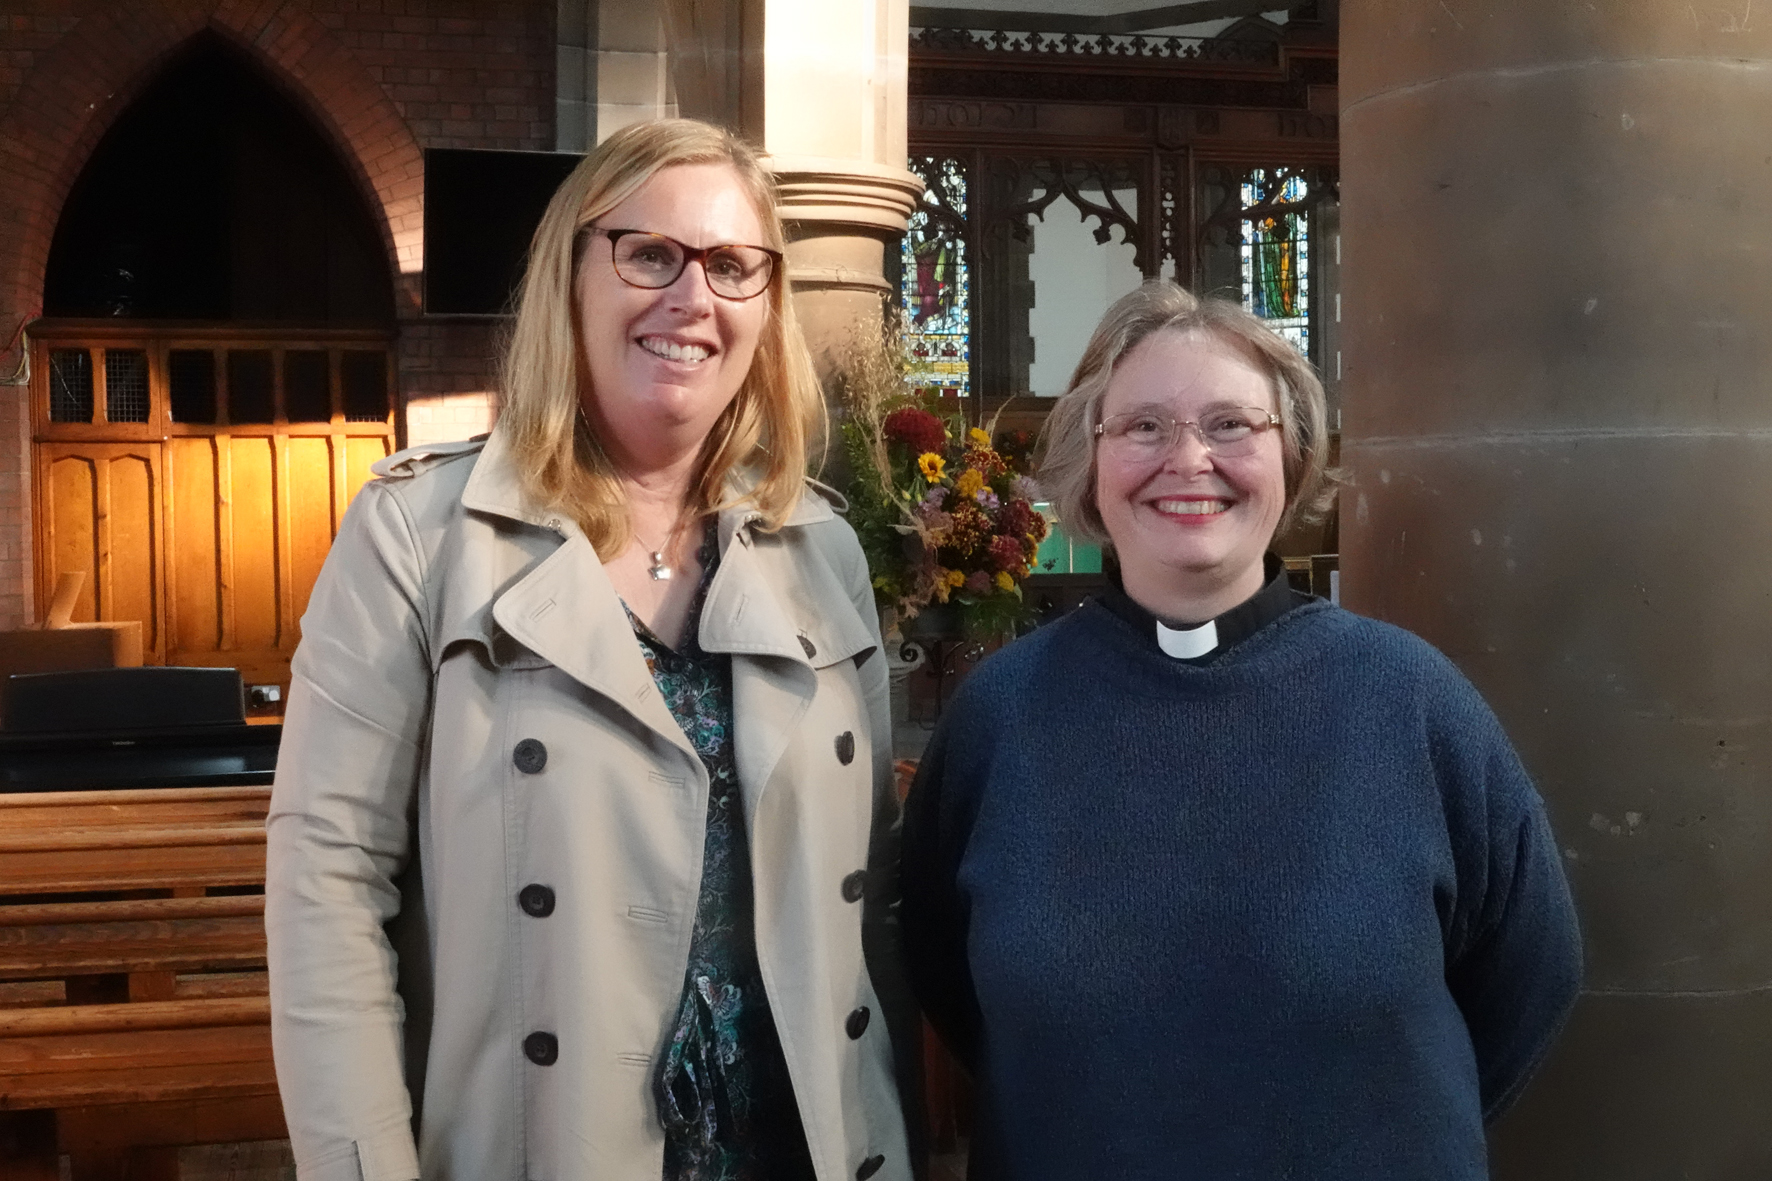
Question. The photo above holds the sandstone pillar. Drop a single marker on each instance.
(1557, 407)
(821, 86)
(612, 69)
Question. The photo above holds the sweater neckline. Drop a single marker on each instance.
(1277, 652)
(1204, 643)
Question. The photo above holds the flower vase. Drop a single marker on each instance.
(935, 623)
(903, 657)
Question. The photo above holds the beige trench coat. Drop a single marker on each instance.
(453, 622)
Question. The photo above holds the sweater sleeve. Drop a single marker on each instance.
(936, 914)
(1513, 949)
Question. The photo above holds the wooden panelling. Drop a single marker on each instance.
(210, 534)
(226, 1064)
(101, 516)
(71, 514)
(196, 985)
(87, 948)
(196, 859)
(131, 585)
(361, 453)
(133, 808)
(310, 516)
(255, 557)
(254, 519)
(81, 1020)
(194, 569)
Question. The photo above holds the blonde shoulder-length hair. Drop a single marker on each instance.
(757, 449)
(1067, 444)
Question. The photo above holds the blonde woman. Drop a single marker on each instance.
(583, 815)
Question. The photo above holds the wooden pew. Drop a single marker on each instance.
(134, 1011)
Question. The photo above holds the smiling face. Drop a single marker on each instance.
(1190, 527)
(664, 363)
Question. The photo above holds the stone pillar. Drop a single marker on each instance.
(1557, 409)
(611, 70)
(632, 66)
(821, 86)
(842, 217)
(575, 76)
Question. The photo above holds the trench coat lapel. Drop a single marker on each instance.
(565, 609)
(772, 680)
(567, 612)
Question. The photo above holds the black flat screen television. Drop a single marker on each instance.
(481, 209)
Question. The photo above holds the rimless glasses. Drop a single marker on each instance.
(1230, 431)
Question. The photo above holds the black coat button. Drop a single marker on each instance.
(543, 1049)
(530, 756)
(807, 644)
(857, 1024)
(854, 885)
(869, 1167)
(846, 747)
(537, 901)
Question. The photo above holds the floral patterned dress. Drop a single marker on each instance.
(722, 1087)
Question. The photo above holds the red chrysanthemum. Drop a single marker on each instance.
(1007, 552)
(917, 429)
(969, 529)
(986, 461)
(1017, 518)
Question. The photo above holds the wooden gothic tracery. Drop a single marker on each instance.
(1214, 160)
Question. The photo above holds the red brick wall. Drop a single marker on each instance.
(445, 372)
(462, 75)
(384, 78)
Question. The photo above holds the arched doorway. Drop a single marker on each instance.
(214, 197)
(215, 374)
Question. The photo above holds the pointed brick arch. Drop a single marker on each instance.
(76, 91)
(70, 96)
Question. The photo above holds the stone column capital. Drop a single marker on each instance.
(820, 194)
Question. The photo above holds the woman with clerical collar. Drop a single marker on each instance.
(1210, 879)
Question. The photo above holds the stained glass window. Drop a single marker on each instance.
(935, 287)
(1276, 252)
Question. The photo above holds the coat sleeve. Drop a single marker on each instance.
(339, 833)
(1513, 954)
(882, 936)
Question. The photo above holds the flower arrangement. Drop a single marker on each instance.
(944, 516)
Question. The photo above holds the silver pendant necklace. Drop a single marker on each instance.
(660, 570)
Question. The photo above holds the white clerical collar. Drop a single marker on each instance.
(1188, 643)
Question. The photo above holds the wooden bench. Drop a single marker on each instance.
(134, 1011)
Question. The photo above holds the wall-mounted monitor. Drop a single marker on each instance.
(481, 209)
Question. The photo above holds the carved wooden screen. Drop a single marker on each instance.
(1152, 139)
(198, 477)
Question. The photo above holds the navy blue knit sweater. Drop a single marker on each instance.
(1294, 914)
